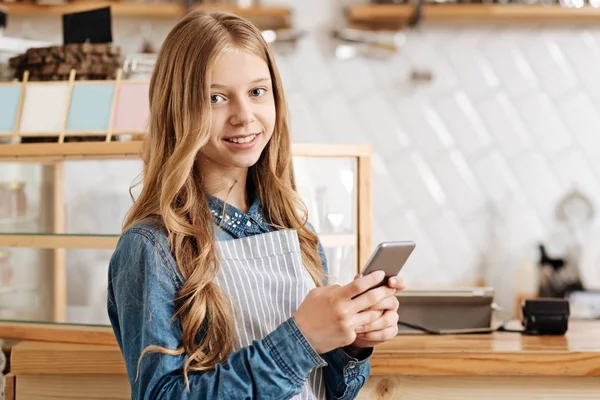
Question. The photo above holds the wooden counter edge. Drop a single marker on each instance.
(577, 354)
(9, 387)
(486, 364)
(57, 333)
(46, 358)
(34, 358)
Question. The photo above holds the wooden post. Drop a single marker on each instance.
(113, 106)
(15, 134)
(61, 138)
(59, 268)
(365, 209)
(52, 266)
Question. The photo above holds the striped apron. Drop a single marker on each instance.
(265, 281)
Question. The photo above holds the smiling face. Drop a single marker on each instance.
(242, 111)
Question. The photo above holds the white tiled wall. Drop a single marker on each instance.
(471, 164)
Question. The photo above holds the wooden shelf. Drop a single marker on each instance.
(74, 241)
(374, 14)
(58, 241)
(40, 152)
(57, 333)
(52, 152)
(275, 16)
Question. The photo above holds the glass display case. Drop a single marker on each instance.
(54, 251)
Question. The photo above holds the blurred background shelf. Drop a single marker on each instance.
(109, 242)
(398, 14)
(69, 151)
(58, 241)
(37, 152)
(263, 16)
(141, 9)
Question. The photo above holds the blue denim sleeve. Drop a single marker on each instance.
(344, 375)
(143, 283)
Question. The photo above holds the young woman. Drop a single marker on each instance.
(217, 288)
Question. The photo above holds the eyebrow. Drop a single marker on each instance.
(218, 85)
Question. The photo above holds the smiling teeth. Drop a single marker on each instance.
(243, 140)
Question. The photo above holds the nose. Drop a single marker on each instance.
(242, 114)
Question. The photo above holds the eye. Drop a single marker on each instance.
(216, 98)
(258, 92)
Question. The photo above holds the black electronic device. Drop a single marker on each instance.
(545, 316)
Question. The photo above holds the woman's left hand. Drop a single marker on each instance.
(386, 326)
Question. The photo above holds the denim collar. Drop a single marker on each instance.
(235, 220)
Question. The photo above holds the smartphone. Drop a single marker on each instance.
(389, 257)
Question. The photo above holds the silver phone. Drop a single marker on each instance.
(389, 257)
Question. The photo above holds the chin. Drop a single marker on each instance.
(245, 162)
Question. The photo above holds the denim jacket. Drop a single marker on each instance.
(143, 283)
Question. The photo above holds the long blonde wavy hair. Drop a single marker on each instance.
(179, 127)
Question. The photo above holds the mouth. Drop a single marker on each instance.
(242, 142)
(241, 139)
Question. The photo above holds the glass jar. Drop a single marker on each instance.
(13, 201)
(6, 269)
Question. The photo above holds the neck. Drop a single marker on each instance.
(227, 184)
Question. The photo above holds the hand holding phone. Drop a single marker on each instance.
(389, 257)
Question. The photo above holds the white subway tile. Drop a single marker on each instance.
(406, 225)
(376, 119)
(544, 123)
(418, 184)
(476, 76)
(549, 63)
(353, 77)
(287, 74)
(510, 65)
(504, 121)
(583, 54)
(425, 128)
(576, 173)
(496, 176)
(459, 183)
(305, 124)
(539, 184)
(311, 70)
(390, 75)
(582, 116)
(463, 122)
(387, 194)
(339, 123)
(425, 56)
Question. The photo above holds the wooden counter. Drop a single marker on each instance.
(498, 366)
(499, 354)
(501, 366)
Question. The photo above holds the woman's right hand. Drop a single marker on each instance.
(329, 316)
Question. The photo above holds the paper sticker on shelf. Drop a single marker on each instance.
(90, 107)
(9, 106)
(132, 108)
(44, 108)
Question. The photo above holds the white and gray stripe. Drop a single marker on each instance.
(265, 282)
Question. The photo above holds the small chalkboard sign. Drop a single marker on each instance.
(3, 12)
(93, 26)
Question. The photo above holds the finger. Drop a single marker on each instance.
(389, 303)
(362, 284)
(364, 318)
(387, 319)
(370, 298)
(396, 282)
(380, 336)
